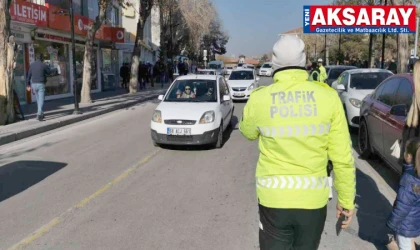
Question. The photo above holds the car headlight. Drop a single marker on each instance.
(157, 116)
(251, 87)
(355, 102)
(208, 117)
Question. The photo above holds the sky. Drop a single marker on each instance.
(254, 25)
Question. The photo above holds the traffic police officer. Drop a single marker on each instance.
(323, 72)
(299, 125)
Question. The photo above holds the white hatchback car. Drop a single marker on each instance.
(354, 85)
(195, 110)
(241, 83)
(266, 70)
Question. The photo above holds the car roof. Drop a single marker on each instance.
(243, 69)
(371, 70)
(198, 77)
(407, 76)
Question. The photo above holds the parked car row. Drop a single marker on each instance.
(377, 102)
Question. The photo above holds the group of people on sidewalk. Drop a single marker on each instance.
(147, 74)
(301, 126)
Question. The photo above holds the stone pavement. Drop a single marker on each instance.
(59, 113)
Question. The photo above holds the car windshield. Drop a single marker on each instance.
(367, 80)
(241, 75)
(205, 72)
(192, 90)
(335, 73)
(265, 66)
(229, 67)
(240, 64)
(215, 66)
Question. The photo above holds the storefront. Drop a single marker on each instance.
(25, 17)
(43, 30)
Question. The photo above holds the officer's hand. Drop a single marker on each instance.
(348, 214)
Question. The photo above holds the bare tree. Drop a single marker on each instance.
(198, 15)
(7, 58)
(145, 8)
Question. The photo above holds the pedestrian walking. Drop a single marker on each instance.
(142, 75)
(36, 80)
(404, 220)
(299, 126)
(125, 76)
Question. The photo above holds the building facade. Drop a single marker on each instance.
(43, 26)
(151, 33)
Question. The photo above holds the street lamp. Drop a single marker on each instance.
(73, 51)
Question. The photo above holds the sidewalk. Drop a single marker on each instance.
(59, 113)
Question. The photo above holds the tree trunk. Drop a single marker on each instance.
(87, 58)
(402, 53)
(7, 56)
(87, 71)
(372, 49)
(135, 58)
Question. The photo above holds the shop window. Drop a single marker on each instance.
(19, 83)
(56, 56)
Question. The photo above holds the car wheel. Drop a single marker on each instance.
(219, 142)
(365, 148)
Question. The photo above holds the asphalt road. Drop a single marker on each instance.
(101, 184)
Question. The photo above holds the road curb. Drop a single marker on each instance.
(70, 119)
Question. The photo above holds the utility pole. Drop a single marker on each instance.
(339, 48)
(325, 49)
(383, 47)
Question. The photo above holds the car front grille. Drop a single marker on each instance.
(179, 138)
(238, 89)
(180, 122)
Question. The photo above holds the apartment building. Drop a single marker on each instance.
(151, 41)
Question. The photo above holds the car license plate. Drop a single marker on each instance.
(239, 94)
(179, 131)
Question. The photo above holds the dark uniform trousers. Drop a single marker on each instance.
(291, 229)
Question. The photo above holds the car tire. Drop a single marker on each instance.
(155, 144)
(219, 141)
(365, 147)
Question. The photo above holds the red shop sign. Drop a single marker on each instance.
(25, 12)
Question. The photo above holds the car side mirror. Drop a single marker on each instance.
(399, 110)
(160, 97)
(341, 87)
(226, 98)
(257, 79)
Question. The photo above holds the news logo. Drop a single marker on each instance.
(359, 19)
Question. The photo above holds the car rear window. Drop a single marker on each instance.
(335, 73)
(368, 80)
